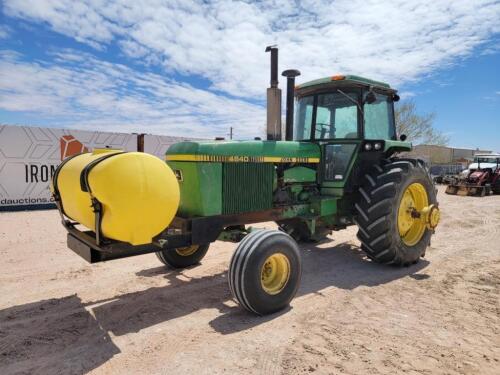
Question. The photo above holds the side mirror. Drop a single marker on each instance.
(395, 98)
(370, 97)
(402, 137)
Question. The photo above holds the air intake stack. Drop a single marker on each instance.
(290, 90)
(273, 99)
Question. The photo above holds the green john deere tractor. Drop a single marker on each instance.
(336, 167)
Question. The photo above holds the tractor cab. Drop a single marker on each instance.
(485, 161)
(344, 107)
(346, 115)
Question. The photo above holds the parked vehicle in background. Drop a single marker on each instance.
(445, 173)
(481, 177)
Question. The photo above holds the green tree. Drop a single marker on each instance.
(419, 128)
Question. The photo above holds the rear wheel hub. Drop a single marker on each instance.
(415, 215)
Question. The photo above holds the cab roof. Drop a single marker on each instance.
(345, 79)
(491, 155)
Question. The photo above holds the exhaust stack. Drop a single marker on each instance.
(273, 99)
(290, 88)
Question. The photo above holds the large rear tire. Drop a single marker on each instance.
(390, 228)
(265, 271)
(183, 257)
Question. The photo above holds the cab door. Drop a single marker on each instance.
(338, 158)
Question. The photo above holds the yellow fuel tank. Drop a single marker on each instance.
(138, 192)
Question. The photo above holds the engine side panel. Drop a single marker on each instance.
(200, 186)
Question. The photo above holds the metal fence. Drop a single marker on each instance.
(444, 169)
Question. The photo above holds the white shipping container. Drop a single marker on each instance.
(30, 155)
(159, 144)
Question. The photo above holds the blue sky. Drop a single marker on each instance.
(465, 99)
(196, 68)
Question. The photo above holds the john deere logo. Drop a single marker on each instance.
(178, 174)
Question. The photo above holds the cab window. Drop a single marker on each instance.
(336, 116)
(326, 116)
(379, 119)
(303, 118)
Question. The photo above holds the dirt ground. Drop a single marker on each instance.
(60, 315)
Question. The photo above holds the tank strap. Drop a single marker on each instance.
(97, 208)
(96, 205)
(56, 194)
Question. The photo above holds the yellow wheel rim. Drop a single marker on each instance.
(187, 251)
(411, 224)
(275, 273)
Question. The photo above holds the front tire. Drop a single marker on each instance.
(265, 271)
(390, 228)
(184, 256)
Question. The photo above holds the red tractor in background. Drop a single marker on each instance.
(480, 179)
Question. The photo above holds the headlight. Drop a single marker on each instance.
(377, 146)
(368, 146)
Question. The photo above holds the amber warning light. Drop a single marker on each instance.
(338, 78)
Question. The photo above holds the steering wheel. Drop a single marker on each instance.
(322, 124)
(323, 128)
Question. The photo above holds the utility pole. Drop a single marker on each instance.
(230, 132)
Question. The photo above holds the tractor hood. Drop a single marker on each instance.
(245, 151)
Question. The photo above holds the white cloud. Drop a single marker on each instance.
(82, 92)
(5, 31)
(407, 94)
(223, 41)
(491, 49)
